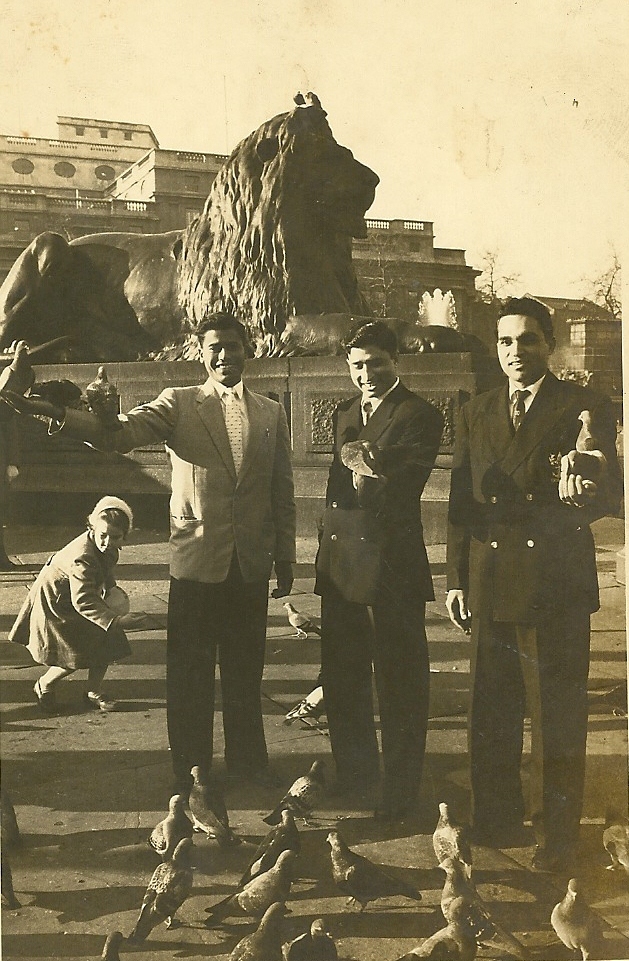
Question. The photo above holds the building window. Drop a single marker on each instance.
(65, 169)
(128, 135)
(104, 132)
(23, 166)
(105, 172)
(79, 131)
(191, 183)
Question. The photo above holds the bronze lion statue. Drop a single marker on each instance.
(274, 240)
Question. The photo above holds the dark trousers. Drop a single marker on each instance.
(206, 620)
(396, 644)
(540, 672)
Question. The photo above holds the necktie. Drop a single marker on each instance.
(517, 414)
(367, 408)
(233, 423)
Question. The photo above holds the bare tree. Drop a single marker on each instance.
(605, 288)
(493, 284)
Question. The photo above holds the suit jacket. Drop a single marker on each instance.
(407, 431)
(517, 551)
(213, 511)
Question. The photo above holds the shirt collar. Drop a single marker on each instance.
(222, 391)
(376, 401)
(532, 388)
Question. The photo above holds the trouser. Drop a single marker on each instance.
(396, 644)
(542, 672)
(206, 620)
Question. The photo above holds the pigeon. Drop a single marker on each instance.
(167, 890)
(103, 400)
(258, 894)
(302, 796)
(265, 944)
(9, 899)
(576, 925)
(166, 835)
(112, 944)
(283, 837)
(317, 944)
(209, 814)
(455, 942)
(363, 880)
(301, 622)
(460, 901)
(616, 843)
(452, 840)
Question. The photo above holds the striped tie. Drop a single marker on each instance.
(233, 423)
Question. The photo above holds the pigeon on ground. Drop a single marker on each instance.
(258, 894)
(460, 900)
(361, 879)
(112, 945)
(167, 890)
(452, 840)
(9, 899)
(166, 835)
(576, 924)
(301, 622)
(455, 942)
(208, 810)
(265, 944)
(616, 843)
(317, 944)
(302, 796)
(283, 837)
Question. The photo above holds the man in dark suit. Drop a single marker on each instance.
(534, 463)
(232, 517)
(373, 574)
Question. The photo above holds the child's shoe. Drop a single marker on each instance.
(100, 703)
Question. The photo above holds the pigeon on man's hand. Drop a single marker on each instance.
(265, 944)
(316, 944)
(167, 834)
(616, 843)
(301, 622)
(452, 840)
(111, 948)
(302, 796)
(207, 807)
(361, 879)
(576, 924)
(167, 890)
(460, 900)
(283, 837)
(258, 894)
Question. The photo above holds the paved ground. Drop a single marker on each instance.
(87, 789)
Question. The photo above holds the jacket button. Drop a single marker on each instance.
(334, 504)
(494, 544)
(530, 543)
(529, 497)
(332, 537)
(493, 499)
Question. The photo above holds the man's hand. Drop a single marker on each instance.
(457, 610)
(372, 456)
(284, 575)
(32, 406)
(576, 482)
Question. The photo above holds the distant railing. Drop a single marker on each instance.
(64, 144)
(190, 156)
(31, 141)
(378, 224)
(414, 225)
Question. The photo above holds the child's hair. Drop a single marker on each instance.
(115, 510)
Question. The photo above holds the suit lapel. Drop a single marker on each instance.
(381, 417)
(497, 434)
(209, 407)
(548, 407)
(259, 428)
(349, 424)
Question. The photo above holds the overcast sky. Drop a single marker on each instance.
(506, 122)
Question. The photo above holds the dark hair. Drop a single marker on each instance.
(116, 517)
(530, 307)
(223, 321)
(374, 333)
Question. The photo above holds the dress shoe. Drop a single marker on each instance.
(552, 861)
(47, 701)
(98, 702)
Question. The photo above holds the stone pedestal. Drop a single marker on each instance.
(60, 477)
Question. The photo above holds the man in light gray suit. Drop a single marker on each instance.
(232, 517)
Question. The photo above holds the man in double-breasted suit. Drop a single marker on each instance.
(535, 462)
(232, 517)
(373, 575)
